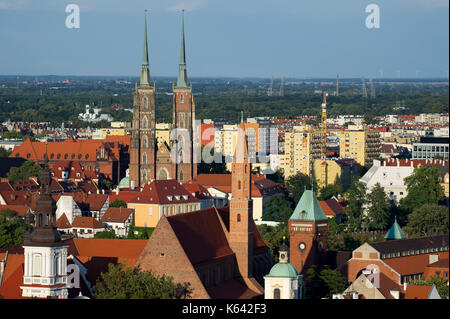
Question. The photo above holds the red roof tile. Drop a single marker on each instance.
(164, 192)
(417, 292)
(86, 222)
(116, 215)
(63, 222)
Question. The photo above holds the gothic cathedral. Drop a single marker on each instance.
(148, 159)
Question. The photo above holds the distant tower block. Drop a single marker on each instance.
(270, 90)
(364, 88)
(282, 87)
(337, 85)
(372, 88)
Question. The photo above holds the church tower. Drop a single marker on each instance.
(241, 207)
(183, 119)
(308, 229)
(45, 267)
(142, 148)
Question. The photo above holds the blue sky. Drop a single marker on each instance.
(232, 38)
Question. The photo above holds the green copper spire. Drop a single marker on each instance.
(182, 73)
(308, 208)
(145, 73)
(395, 232)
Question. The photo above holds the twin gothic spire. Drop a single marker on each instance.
(182, 71)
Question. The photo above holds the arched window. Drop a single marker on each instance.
(144, 142)
(181, 176)
(162, 174)
(276, 293)
(239, 184)
(36, 264)
(145, 103)
(182, 99)
(238, 218)
(144, 176)
(145, 122)
(144, 158)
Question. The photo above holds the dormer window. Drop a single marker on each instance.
(185, 197)
(177, 197)
(169, 198)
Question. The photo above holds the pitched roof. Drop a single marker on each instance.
(20, 210)
(164, 192)
(116, 215)
(308, 208)
(197, 190)
(418, 292)
(63, 222)
(86, 222)
(13, 276)
(261, 186)
(395, 232)
(400, 245)
(201, 236)
(331, 207)
(412, 264)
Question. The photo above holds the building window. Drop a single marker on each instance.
(37, 265)
(145, 103)
(276, 293)
(150, 211)
(182, 99)
(238, 218)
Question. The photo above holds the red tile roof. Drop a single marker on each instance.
(86, 222)
(197, 190)
(331, 207)
(13, 276)
(164, 192)
(63, 222)
(413, 264)
(417, 292)
(20, 210)
(116, 215)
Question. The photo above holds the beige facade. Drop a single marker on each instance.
(360, 143)
(334, 172)
(148, 215)
(301, 148)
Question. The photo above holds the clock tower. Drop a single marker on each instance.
(308, 229)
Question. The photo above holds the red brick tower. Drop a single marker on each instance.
(308, 229)
(142, 143)
(241, 207)
(183, 120)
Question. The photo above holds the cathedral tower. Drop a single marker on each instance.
(142, 148)
(183, 119)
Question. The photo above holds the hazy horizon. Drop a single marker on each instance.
(227, 39)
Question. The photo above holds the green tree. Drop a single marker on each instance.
(423, 188)
(277, 176)
(27, 170)
(323, 282)
(131, 283)
(296, 185)
(277, 208)
(4, 152)
(378, 217)
(440, 283)
(356, 196)
(105, 235)
(329, 191)
(118, 203)
(428, 220)
(215, 167)
(11, 230)
(273, 237)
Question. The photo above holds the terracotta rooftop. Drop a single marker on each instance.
(116, 215)
(412, 264)
(331, 207)
(411, 244)
(63, 222)
(20, 210)
(164, 192)
(417, 292)
(86, 222)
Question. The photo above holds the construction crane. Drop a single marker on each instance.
(337, 85)
(323, 142)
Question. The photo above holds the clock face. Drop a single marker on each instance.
(283, 256)
(302, 246)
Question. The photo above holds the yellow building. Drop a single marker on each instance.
(359, 143)
(337, 170)
(301, 148)
(161, 197)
